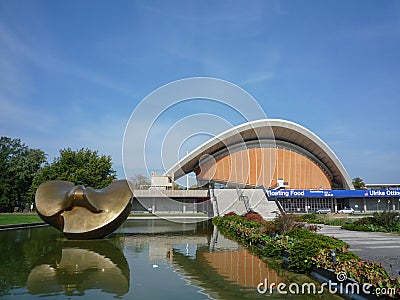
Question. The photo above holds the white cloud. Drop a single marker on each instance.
(258, 78)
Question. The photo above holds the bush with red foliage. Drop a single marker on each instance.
(253, 216)
(232, 213)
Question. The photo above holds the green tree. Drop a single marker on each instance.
(82, 167)
(18, 166)
(194, 187)
(358, 183)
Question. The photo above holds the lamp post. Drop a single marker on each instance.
(377, 204)
(399, 205)
(388, 205)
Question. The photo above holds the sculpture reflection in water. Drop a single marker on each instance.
(83, 213)
(75, 267)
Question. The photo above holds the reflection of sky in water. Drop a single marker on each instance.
(154, 277)
(188, 250)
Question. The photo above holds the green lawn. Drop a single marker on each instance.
(6, 219)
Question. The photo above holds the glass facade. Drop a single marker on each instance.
(303, 205)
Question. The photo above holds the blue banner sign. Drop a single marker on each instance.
(333, 193)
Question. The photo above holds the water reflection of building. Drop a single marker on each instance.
(237, 264)
(191, 255)
(219, 242)
(241, 267)
(224, 263)
(162, 247)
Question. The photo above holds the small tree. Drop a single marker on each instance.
(139, 180)
(358, 183)
(177, 187)
(82, 167)
(194, 187)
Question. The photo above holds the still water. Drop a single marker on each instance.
(144, 259)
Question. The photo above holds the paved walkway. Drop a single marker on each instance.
(379, 247)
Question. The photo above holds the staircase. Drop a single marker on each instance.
(230, 200)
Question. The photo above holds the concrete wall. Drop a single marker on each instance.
(168, 205)
(171, 193)
(228, 200)
(225, 200)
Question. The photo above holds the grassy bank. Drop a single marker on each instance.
(6, 219)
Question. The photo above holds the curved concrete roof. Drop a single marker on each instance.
(280, 130)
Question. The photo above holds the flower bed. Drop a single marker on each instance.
(306, 248)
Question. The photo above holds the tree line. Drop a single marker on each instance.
(23, 169)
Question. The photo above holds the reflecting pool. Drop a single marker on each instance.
(144, 259)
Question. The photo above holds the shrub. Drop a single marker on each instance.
(253, 216)
(313, 227)
(311, 245)
(367, 272)
(336, 222)
(328, 219)
(310, 218)
(396, 227)
(359, 270)
(355, 227)
(239, 228)
(346, 255)
(365, 221)
(287, 222)
(276, 245)
(231, 213)
(385, 221)
(301, 233)
(386, 218)
(301, 254)
(268, 227)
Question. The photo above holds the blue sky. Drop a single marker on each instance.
(72, 72)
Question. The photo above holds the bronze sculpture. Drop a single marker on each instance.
(83, 213)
